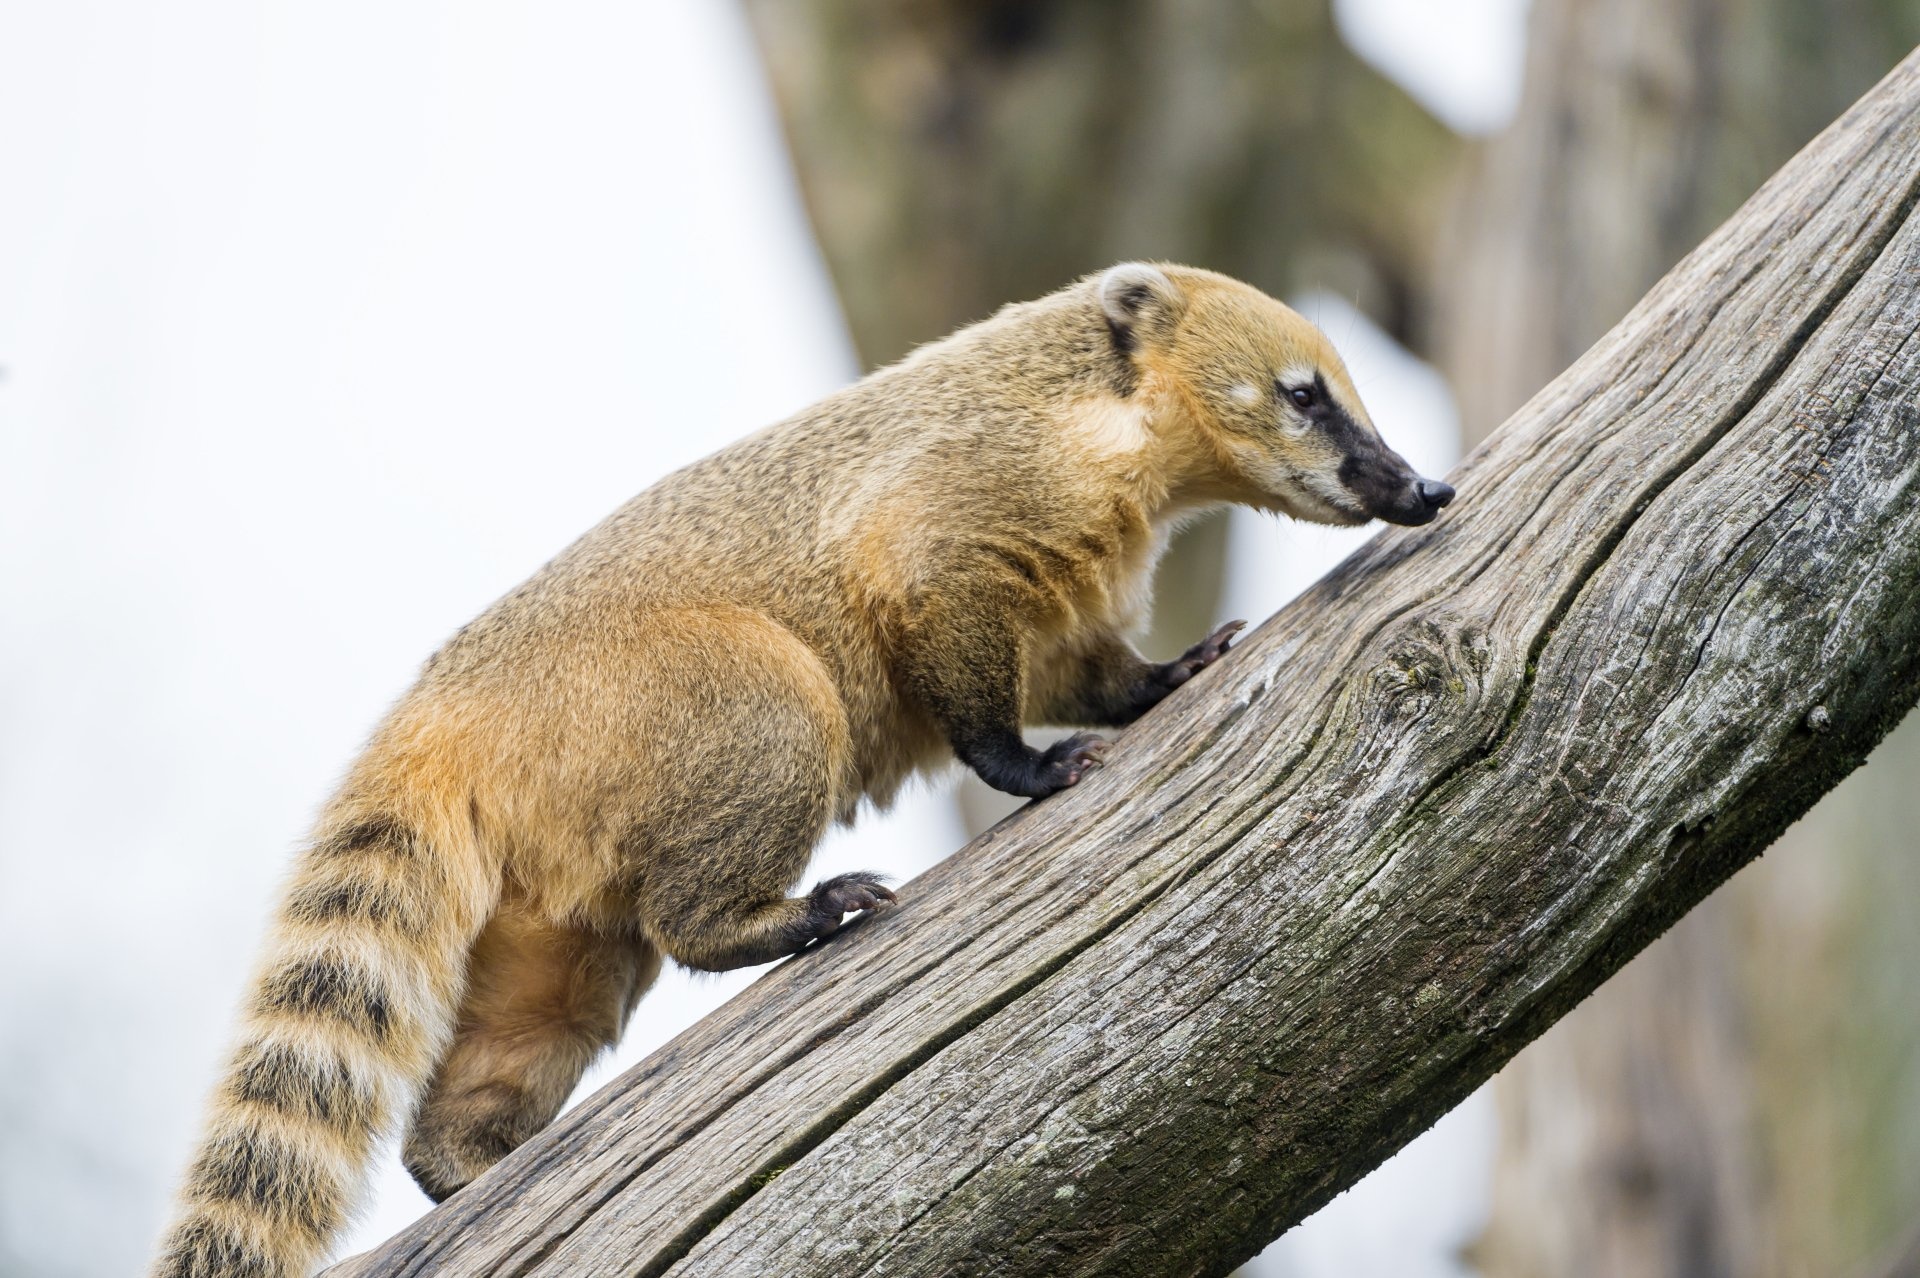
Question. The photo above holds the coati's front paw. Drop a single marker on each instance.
(834, 898)
(1201, 655)
(1065, 761)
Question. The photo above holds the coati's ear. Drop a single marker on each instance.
(1139, 302)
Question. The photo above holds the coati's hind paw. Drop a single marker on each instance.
(1065, 761)
(1201, 655)
(456, 1136)
(844, 893)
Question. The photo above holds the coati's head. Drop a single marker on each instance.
(1268, 395)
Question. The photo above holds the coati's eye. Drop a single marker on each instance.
(1301, 395)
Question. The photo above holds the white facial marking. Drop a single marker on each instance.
(1245, 394)
(1291, 376)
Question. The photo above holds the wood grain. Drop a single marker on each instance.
(1325, 891)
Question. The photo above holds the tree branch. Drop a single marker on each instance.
(1326, 890)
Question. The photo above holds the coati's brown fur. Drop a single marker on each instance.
(633, 754)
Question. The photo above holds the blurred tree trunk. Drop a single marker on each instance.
(1720, 1107)
(959, 154)
(955, 155)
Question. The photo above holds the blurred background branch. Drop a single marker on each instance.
(956, 154)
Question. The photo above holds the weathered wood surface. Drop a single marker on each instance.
(1325, 891)
(1719, 1107)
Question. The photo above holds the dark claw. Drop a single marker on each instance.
(1203, 654)
(1067, 760)
(846, 893)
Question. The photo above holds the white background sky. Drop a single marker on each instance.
(320, 327)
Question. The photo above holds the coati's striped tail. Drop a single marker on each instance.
(349, 1013)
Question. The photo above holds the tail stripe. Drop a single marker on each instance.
(254, 1167)
(353, 900)
(328, 989)
(302, 1085)
(375, 834)
(203, 1248)
(370, 872)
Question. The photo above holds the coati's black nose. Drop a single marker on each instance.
(1407, 499)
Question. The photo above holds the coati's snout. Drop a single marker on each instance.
(1387, 488)
(1429, 496)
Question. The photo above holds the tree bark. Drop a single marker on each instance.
(1323, 892)
(1715, 1110)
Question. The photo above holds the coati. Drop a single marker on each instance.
(631, 756)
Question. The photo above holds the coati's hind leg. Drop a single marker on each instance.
(542, 1001)
(737, 807)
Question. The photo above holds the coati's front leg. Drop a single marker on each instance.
(1114, 685)
(960, 657)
